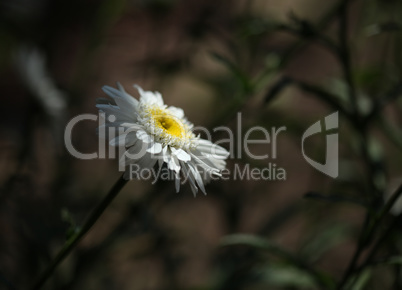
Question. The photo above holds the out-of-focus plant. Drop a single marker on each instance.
(364, 111)
(366, 94)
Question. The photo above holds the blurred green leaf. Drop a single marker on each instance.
(250, 26)
(335, 198)
(293, 261)
(280, 275)
(272, 63)
(277, 88)
(339, 88)
(258, 243)
(323, 240)
(360, 281)
(397, 260)
(332, 100)
(391, 131)
(73, 229)
(394, 260)
(369, 76)
(66, 216)
(235, 70)
(252, 241)
(378, 28)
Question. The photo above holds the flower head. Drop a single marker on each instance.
(154, 134)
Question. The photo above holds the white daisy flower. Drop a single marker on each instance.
(153, 133)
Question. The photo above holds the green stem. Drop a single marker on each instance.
(367, 232)
(345, 60)
(344, 55)
(377, 246)
(359, 249)
(74, 240)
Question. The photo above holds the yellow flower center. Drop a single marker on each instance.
(167, 122)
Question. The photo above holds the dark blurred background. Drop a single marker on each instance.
(274, 62)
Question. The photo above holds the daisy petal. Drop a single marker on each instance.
(115, 111)
(197, 177)
(144, 136)
(177, 112)
(125, 101)
(174, 164)
(155, 148)
(181, 154)
(190, 178)
(177, 182)
(208, 147)
(149, 97)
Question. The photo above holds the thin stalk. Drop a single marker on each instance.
(345, 54)
(367, 233)
(345, 60)
(377, 246)
(74, 240)
(359, 249)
